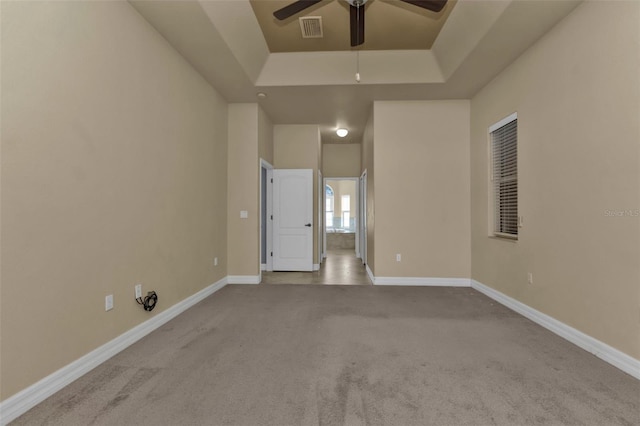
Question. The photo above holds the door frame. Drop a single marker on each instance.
(357, 216)
(269, 216)
(363, 216)
(321, 240)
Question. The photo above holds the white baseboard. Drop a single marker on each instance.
(370, 273)
(18, 404)
(423, 281)
(244, 279)
(316, 266)
(418, 281)
(600, 349)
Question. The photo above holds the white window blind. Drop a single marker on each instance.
(504, 142)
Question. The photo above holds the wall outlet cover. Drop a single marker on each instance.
(108, 302)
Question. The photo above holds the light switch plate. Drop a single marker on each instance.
(244, 214)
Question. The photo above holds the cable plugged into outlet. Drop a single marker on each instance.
(149, 302)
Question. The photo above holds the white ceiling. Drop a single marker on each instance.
(224, 42)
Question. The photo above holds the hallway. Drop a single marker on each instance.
(341, 267)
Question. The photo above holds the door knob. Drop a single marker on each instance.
(308, 224)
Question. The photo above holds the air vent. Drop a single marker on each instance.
(311, 26)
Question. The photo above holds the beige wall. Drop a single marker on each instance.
(341, 160)
(577, 95)
(114, 166)
(250, 138)
(422, 189)
(243, 248)
(265, 136)
(298, 147)
(367, 165)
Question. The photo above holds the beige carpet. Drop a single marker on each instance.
(331, 355)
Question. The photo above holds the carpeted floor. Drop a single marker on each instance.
(361, 355)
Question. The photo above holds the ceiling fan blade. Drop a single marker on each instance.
(357, 25)
(432, 5)
(293, 8)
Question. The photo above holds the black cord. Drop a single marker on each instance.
(149, 302)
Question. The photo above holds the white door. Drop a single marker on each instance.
(293, 220)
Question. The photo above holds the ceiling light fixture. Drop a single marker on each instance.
(261, 95)
(342, 132)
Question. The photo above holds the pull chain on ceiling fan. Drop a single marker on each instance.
(356, 13)
(358, 6)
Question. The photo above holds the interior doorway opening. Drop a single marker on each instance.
(266, 212)
(341, 231)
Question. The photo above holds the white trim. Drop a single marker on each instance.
(502, 122)
(600, 349)
(418, 281)
(316, 266)
(269, 203)
(263, 266)
(370, 273)
(243, 279)
(423, 281)
(320, 227)
(18, 404)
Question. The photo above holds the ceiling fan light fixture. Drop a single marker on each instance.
(342, 132)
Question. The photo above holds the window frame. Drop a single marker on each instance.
(496, 220)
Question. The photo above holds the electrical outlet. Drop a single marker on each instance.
(108, 302)
(138, 291)
(398, 257)
(530, 277)
(215, 261)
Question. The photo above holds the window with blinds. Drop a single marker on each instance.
(504, 148)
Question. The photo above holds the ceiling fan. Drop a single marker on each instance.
(356, 13)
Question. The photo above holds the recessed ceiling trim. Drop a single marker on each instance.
(331, 68)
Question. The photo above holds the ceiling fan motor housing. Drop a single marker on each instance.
(356, 3)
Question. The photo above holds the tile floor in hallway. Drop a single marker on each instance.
(340, 267)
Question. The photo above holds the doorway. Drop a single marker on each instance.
(341, 234)
(266, 212)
